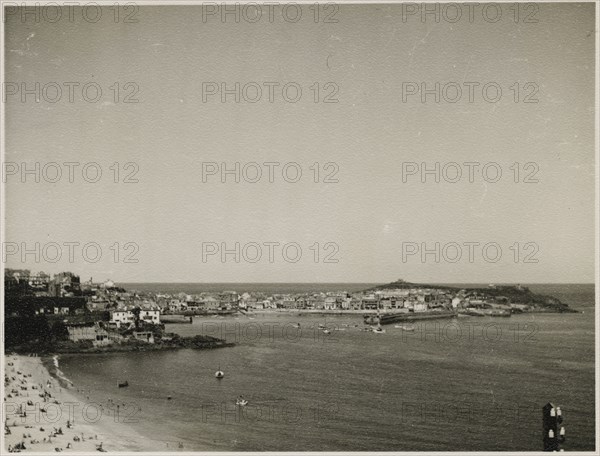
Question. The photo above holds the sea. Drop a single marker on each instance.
(466, 384)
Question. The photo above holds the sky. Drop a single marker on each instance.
(371, 214)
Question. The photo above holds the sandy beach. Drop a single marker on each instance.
(42, 413)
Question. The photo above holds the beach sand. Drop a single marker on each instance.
(51, 407)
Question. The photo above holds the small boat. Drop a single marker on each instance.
(378, 330)
(499, 313)
(405, 327)
(219, 374)
(473, 312)
(123, 384)
(326, 331)
(241, 402)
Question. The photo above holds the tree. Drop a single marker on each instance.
(59, 331)
(136, 316)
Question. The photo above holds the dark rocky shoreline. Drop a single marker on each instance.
(177, 343)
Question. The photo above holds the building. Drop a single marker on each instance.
(317, 303)
(121, 317)
(355, 304)
(28, 305)
(176, 305)
(39, 281)
(386, 304)
(229, 300)
(65, 284)
(288, 302)
(150, 315)
(126, 317)
(193, 306)
(370, 302)
(98, 304)
(211, 303)
(420, 307)
(89, 331)
(330, 303)
(144, 336)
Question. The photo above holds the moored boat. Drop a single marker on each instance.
(378, 329)
(500, 313)
(405, 327)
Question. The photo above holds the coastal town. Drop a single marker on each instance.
(105, 314)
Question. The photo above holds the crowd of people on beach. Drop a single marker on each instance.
(43, 413)
(18, 386)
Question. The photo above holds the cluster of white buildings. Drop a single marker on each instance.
(126, 315)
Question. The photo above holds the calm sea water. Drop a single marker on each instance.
(465, 384)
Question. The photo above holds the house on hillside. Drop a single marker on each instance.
(88, 331)
(144, 336)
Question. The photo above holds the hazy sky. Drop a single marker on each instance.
(368, 54)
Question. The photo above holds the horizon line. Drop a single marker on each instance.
(352, 283)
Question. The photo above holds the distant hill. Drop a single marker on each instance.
(513, 293)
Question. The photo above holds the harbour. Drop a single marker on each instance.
(474, 372)
(315, 227)
(389, 318)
